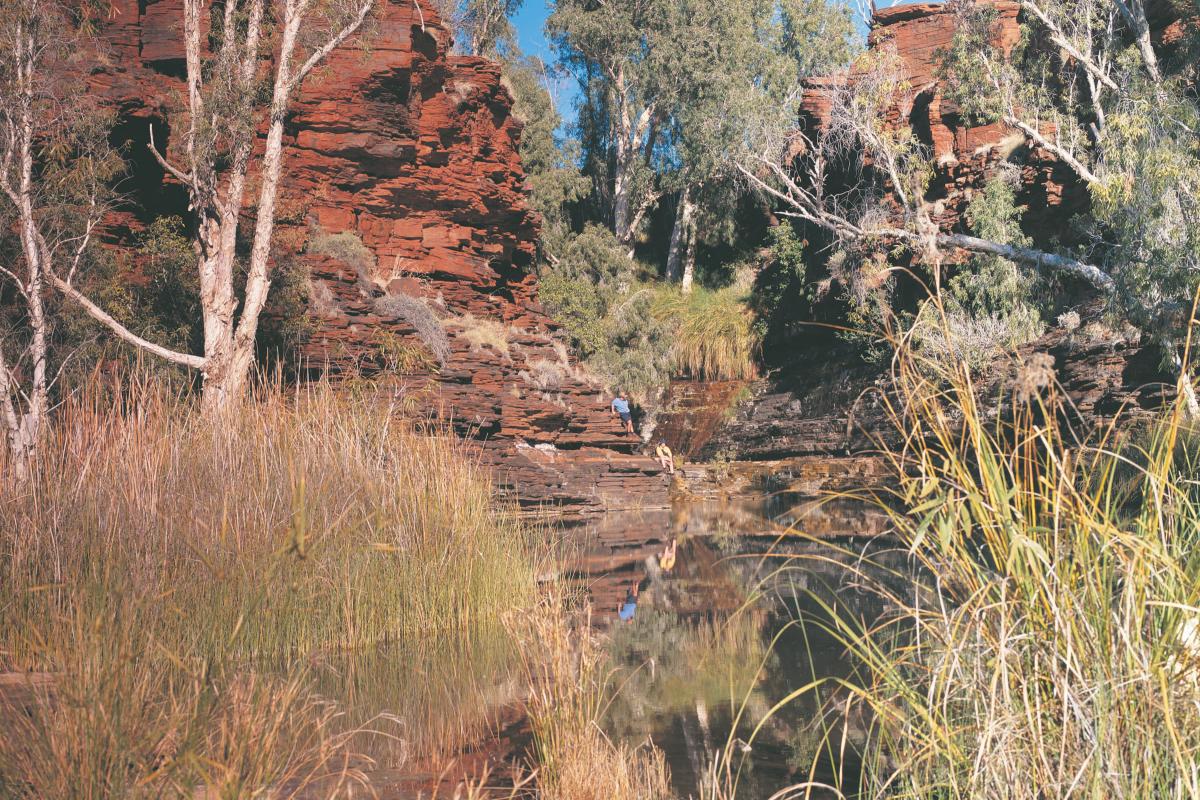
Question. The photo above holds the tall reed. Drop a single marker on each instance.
(177, 575)
(1050, 648)
(570, 692)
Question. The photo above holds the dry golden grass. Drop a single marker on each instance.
(176, 576)
(570, 690)
(714, 333)
(481, 332)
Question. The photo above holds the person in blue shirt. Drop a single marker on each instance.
(620, 407)
(629, 607)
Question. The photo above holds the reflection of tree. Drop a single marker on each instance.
(681, 681)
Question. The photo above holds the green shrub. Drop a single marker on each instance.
(604, 302)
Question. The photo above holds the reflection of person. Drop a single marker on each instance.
(665, 457)
(629, 607)
(620, 407)
(666, 561)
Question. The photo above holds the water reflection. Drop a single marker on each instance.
(727, 619)
(737, 624)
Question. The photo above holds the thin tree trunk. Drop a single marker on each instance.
(689, 249)
(678, 237)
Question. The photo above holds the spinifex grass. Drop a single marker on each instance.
(176, 574)
(299, 523)
(714, 333)
(1051, 649)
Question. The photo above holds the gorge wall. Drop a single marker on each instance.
(411, 151)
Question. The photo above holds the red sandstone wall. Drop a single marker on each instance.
(415, 151)
(965, 155)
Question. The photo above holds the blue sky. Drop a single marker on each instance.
(530, 22)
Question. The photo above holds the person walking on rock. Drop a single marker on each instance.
(620, 407)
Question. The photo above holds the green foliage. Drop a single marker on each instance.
(670, 87)
(1125, 125)
(714, 336)
(399, 355)
(168, 307)
(549, 160)
(481, 27)
(988, 306)
(605, 306)
(782, 294)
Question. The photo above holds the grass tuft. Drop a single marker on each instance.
(176, 576)
(714, 333)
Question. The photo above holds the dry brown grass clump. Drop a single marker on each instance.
(480, 333)
(176, 575)
(569, 673)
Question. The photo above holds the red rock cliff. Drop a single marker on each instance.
(965, 155)
(414, 151)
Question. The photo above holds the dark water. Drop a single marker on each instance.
(732, 629)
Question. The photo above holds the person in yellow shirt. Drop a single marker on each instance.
(666, 560)
(665, 457)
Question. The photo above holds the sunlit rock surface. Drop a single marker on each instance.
(414, 151)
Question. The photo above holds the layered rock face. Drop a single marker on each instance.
(404, 196)
(965, 155)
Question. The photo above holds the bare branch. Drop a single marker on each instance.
(1059, 38)
(806, 209)
(100, 315)
(1061, 152)
(16, 280)
(1033, 258)
(184, 178)
(319, 55)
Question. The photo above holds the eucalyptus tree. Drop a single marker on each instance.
(55, 167)
(245, 61)
(483, 27)
(742, 62)
(623, 54)
(668, 86)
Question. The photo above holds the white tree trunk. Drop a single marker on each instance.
(24, 407)
(631, 137)
(678, 237)
(689, 244)
(217, 198)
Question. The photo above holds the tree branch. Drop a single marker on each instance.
(100, 315)
(811, 211)
(329, 46)
(185, 179)
(1059, 38)
(1063, 154)
(1135, 18)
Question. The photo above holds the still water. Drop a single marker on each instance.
(735, 625)
(713, 640)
